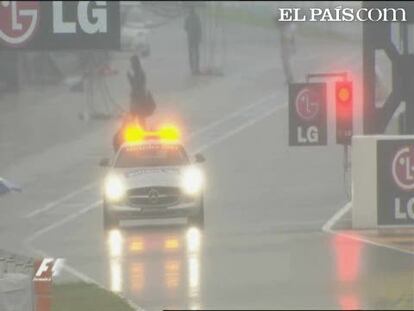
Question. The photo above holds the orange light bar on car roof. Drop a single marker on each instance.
(133, 133)
(167, 133)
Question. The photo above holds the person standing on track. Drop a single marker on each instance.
(142, 104)
(287, 47)
(192, 26)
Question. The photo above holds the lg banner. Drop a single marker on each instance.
(307, 114)
(59, 25)
(395, 171)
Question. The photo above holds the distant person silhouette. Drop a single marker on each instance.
(287, 47)
(192, 26)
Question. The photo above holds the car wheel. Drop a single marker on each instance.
(110, 221)
(198, 218)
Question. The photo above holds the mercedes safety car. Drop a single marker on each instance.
(151, 177)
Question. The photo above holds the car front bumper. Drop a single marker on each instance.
(175, 211)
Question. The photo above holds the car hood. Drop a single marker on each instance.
(152, 177)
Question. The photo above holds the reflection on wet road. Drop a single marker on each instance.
(161, 268)
(156, 260)
(348, 265)
(364, 279)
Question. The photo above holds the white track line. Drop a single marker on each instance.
(61, 200)
(240, 128)
(327, 227)
(62, 221)
(233, 115)
(88, 279)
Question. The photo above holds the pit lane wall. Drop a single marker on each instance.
(16, 286)
(382, 181)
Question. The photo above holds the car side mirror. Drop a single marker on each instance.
(104, 162)
(199, 158)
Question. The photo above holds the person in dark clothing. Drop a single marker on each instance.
(193, 28)
(142, 104)
(287, 47)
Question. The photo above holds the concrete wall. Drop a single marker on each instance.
(364, 182)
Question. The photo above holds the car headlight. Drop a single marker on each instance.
(114, 188)
(192, 181)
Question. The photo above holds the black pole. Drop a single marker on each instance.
(368, 55)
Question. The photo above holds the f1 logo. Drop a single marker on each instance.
(49, 267)
(403, 168)
(18, 21)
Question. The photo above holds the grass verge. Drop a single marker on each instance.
(86, 297)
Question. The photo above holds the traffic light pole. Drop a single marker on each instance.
(346, 162)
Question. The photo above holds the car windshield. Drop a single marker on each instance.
(151, 155)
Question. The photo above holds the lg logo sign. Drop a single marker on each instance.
(18, 21)
(307, 109)
(307, 114)
(98, 22)
(59, 24)
(403, 168)
(403, 176)
(395, 185)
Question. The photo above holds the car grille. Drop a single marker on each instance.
(154, 196)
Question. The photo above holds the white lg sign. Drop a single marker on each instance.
(98, 24)
(403, 175)
(60, 25)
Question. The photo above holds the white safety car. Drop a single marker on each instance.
(151, 177)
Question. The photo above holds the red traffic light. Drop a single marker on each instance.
(344, 111)
(343, 95)
(343, 91)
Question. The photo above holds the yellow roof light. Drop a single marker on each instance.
(169, 133)
(133, 133)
